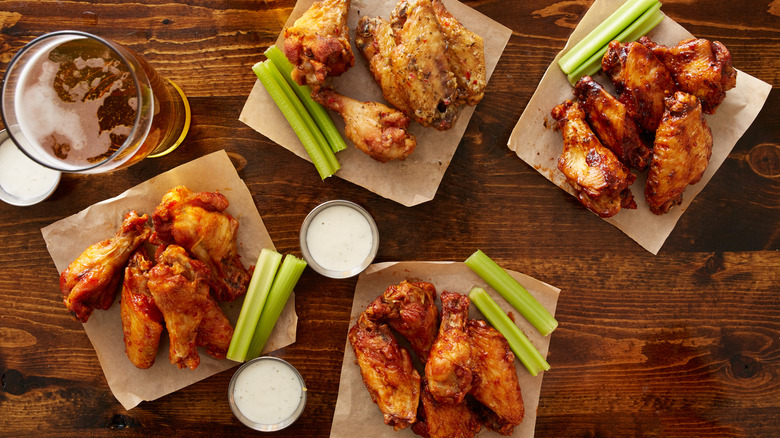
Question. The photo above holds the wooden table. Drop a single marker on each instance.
(683, 343)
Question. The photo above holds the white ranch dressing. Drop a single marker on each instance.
(22, 177)
(267, 392)
(339, 238)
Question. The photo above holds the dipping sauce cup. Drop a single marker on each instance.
(23, 182)
(76, 102)
(267, 394)
(339, 239)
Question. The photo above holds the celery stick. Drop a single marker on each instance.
(518, 342)
(317, 111)
(286, 279)
(296, 122)
(603, 33)
(256, 294)
(644, 24)
(513, 292)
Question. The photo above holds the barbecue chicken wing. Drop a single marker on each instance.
(92, 280)
(317, 44)
(641, 80)
(142, 322)
(408, 58)
(612, 124)
(600, 180)
(179, 286)
(681, 152)
(699, 67)
(376, 129)
(495, 378)
(448, 369)
(198, 222)
(441, 420)
(391, 380)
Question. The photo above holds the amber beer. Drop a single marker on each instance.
(79, 103)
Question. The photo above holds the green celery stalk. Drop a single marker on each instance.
(256, 295)
(603, 33)
(317, 111)
(286, 279)
(513, 292)
(518, 342)
(644, 24)
(287, 108)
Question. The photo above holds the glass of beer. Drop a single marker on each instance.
(76, 102)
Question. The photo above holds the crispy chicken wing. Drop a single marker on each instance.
(142, 322)
(448, 369)
(600, 180)
(641, 80)
(495, 383)
(198, 222)
(681, 152)
(387, 371)
(317, 44)
(91, 281)
(699, 67)
(440, 420)
(376, 129)
(612, 124)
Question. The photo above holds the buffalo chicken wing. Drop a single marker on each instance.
(442, 420)
(448, 369)
(142, 322)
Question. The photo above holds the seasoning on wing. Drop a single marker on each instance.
(91, 281)
(448, 369)
(142, 322)
(441, 420)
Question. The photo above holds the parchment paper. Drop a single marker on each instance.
(409, 182)
(538, 144)
(69, 237)
(357, 415)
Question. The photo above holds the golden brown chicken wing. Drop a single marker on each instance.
(440, 420)
(376, 129)
(681, 152)
(600, 180)
(142, 322)
(317, 44)
(391, 380)
(612, 124)
(448, 369)
(198, 222)
(699, 67)
(92, 280)
(496, 384)
(641, 80)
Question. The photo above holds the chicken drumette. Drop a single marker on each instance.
(441, 420)
(448, 369)
(142, 322)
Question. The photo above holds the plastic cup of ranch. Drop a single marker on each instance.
(76, 102)
(339, 239)
(23, 182)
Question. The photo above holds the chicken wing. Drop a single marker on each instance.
(495, 384)
(641, 80)
(599, 179)
(317, 44)
(376, 129)
(440, 420)
(198, 222)
(612, 124)
(391, 380)
(699, 67)
(448, 369)
(92, 280)
(142, 322)
(681, 152)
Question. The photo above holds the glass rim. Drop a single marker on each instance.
(113, 47)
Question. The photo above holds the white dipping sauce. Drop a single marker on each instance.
(267, 392)
(339, 238)
(22, 177)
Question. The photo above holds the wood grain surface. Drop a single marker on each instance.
(685, 343)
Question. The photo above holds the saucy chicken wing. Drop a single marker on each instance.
(448, 369)
(376, 129)
(441, 420)
(198, 222)
(387, 371)
(599, 179)
(142, 322)
(699, 67)
(611, 122)
(317, 44)
(681, 152)
(92, 280)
